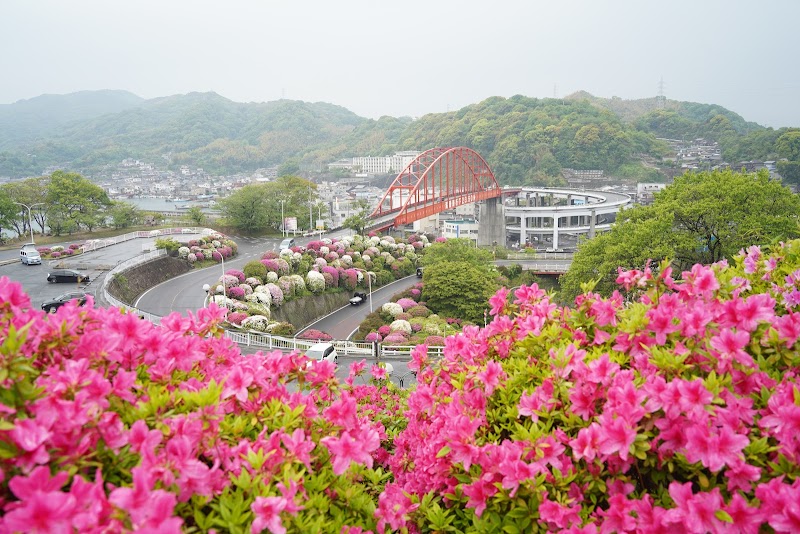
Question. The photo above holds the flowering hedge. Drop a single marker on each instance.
(677, 410)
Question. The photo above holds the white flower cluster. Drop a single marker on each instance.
(315, 281)
(400, 325)
(256, 322)
(392, 308)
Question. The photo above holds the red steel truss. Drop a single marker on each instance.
(439, 179)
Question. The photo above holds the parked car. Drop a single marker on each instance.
(419, 272)
(286, 243)
(67, 275)
(28, 255)
(358, 299)
(322, 351)
(50, 306)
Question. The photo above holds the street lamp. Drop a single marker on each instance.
(30, 219)
(206, 288)
(283, 220)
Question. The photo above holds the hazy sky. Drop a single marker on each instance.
(409, 57)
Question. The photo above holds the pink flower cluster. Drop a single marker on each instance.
(111, 424)
(675, 412)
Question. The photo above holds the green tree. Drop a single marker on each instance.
(8, 210)
(457, 250)
(458, 289)
(196, 216)
(75, 201)
(124, 214)
(788, 145)
(359, 220)
(700, 218)
(247, 209)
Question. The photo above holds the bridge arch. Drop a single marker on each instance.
(438, 179)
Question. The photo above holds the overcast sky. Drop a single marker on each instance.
(409, 57)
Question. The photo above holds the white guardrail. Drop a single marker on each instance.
(251, 338)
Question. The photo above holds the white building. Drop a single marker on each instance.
(464, 228)
(376, 164)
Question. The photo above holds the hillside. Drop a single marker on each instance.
(528, 140)
(525, 140)
(26, 120)
(641, 111)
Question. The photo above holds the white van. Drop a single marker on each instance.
(286, 243)
(28, 255)
(322, 351)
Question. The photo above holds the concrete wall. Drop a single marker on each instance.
(132, 283)
(492, 229)
(303, 311)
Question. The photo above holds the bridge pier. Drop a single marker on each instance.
(492, 227)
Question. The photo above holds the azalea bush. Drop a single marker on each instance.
(110, 424)
(677, 411)
(674, 409)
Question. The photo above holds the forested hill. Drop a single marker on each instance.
(525, 140)
(26, 120)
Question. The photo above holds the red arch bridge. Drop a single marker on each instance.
(438, 179)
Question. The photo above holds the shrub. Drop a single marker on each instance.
(255, 269)
(253, 281)
(372, 336)
(256, 322)
(316, 335)
(236, 318)
(395, 338)
(434, 341)
(236, 293)
(407, 303)
(400, 325)
(277, 294)
(392, 308)
(384, 330)
(282, 329)
(315, 281)
(419, 311)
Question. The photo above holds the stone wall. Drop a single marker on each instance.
(128, 285)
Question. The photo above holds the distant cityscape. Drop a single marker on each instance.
(364, 178)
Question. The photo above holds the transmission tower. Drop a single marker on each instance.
(661, 100)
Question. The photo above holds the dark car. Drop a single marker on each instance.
(358, 299)
(419, 272)
(67, 275)
(51, 306)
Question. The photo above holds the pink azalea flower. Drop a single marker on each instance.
(714, 448)
(268, 515)
(616, 435)
(342, 412)
(378, 372)
(491, 376)
(479, 492)
(236, 384)
(729, 343)
(498, 301)
(298, 446)
(356, 447)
